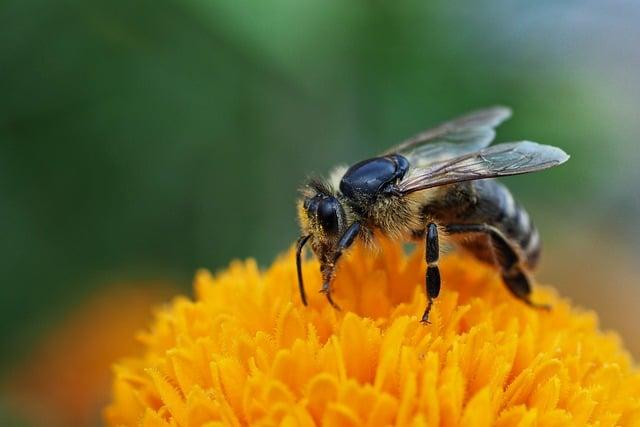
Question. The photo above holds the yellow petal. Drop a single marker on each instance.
(247, 352)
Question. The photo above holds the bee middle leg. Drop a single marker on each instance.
(507, 259)
(432, 276)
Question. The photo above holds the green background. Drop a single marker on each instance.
(141, 140)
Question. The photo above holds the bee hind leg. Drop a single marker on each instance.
(520, 286)
(432, 276)
(507, 259)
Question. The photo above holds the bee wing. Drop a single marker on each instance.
(463, 135)
(512, 158)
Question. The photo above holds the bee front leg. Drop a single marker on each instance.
(326, 290)
(345, 241)
(432, 276)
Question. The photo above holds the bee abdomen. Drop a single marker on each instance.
(514, 222)
(533, 248)
(487, 202)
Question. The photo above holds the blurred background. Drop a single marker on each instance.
(142, 140)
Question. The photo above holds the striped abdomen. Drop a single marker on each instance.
(512, 220)
(489, 202)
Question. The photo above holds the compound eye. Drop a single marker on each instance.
(328, 215)
(311, 206)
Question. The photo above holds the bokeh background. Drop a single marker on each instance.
(141, 140)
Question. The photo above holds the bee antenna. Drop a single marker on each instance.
(300, 244)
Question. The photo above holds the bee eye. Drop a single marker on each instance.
(311, 205)
(328, 211)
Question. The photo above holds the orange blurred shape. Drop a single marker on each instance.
(65, 380)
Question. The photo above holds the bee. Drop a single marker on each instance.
(439, 181)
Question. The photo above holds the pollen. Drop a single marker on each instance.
(245, 351)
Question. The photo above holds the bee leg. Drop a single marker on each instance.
(507, 258)
(326, 290)
(345, 241)
(520, 286)
(432, 277)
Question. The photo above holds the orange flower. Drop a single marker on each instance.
(246, 352)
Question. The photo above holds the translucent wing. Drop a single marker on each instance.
(512, 158)
(460, 136)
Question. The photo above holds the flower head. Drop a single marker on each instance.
(247, 352)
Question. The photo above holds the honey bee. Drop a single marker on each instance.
(438, 181)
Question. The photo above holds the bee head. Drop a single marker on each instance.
(322, 216)
(324, 224)
(325, 216)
